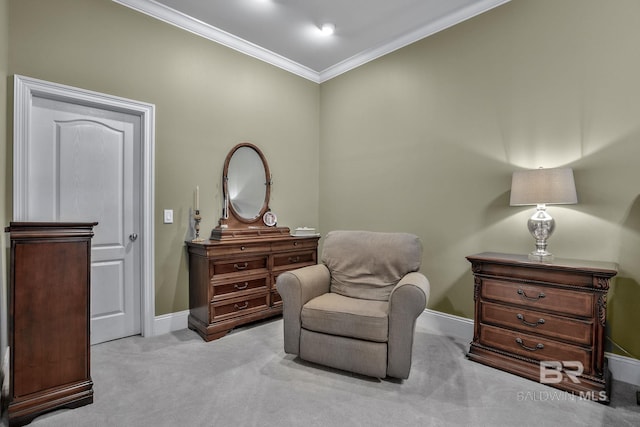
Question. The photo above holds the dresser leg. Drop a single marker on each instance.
(203, 330)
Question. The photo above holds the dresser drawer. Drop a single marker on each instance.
(292, 260)
(232, 280)
(238, 265)
(240, 286)
(296, 244)
(238, 306)
(567, 329)
(534, 347)
(276, 299)
(538, 272)
(539, 297)
(236, 249)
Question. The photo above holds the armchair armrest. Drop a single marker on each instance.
(296, 288)
(407, 301)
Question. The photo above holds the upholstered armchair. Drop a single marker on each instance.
(357, 309)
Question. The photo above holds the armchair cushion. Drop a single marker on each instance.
(368, 265)
(336, 314)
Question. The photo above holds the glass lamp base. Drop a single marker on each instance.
(541, 226)
(535, 256)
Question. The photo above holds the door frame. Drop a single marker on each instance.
(24, 90)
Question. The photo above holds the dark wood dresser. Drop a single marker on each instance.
(49, 318)
(232, 282)
(528, 312)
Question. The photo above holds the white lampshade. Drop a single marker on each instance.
(543, 186)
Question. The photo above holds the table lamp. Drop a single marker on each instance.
(542, 187)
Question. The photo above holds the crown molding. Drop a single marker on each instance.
(195, 26)
(428, 30)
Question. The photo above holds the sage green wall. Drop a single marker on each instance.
(208, 98)
(425, 139)
(422, 140)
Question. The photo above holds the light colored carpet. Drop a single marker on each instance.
(246, 379)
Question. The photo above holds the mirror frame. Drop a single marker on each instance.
(229, 209)
(232, 224)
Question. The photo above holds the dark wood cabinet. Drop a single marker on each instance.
(528, 312)
(49, 318)
(232, 282)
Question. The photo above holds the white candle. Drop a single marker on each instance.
(197, 197)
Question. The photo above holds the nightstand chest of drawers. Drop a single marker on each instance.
(528, 312)
(232, 282)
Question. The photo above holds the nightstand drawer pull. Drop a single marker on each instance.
(521, 318)
(238, 287)
(538, 346)
(246, 304)
(241, 267)
(294, 259)
(524, 295)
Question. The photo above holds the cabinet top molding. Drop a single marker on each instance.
(608, 269)
(50, 229)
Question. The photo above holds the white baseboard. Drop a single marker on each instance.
(449, 325)
(625, 369)
(4, 387)
(167, 323)
(5, 372)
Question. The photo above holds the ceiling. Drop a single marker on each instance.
(286, 33)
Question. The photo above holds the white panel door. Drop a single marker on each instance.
(81, 168)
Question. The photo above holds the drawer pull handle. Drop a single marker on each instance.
(538, 346)
(525, 296)
(241, 307)
(295, 243)
(521, 318)
(241, 267)
(294, 259)
(238, 287)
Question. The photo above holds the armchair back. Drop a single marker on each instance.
(368, 264)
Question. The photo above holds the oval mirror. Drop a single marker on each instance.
(247, 183)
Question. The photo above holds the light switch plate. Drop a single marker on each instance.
(168, 216)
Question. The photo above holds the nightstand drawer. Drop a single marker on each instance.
(539, 297)
(534, 347)
(552, 326)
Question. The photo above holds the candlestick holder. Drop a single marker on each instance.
(197, 218)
